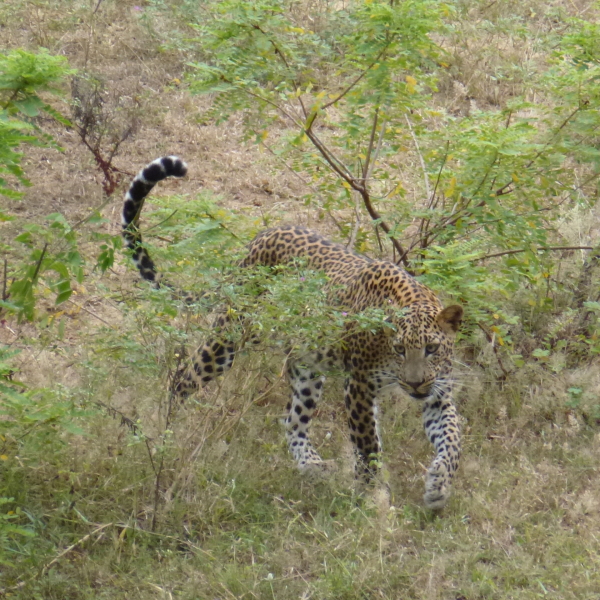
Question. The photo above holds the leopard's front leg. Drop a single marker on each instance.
(361, 409)
(442, 429)
(307, 388)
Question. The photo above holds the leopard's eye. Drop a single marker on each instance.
(400, 349)
(431, 348)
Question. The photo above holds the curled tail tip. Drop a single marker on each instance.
(143, 182)
(146, 179)
(159, 169)
(175, 166)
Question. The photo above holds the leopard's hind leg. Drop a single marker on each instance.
(210, 360)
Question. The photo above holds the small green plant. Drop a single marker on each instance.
(51, 257)
(9, 529)
(32, 422)
(23, 77)
(575, 394)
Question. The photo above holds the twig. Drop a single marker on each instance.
(273, 104)
(359, 186)
(336, 164)
(78, 543)
(583, 288)
(131, 425)
(89, 312)
(356, 227)
(306, 183)
(540, 249)
(424, 224)
(109, 185)
(4, 280)
(490, 339)
(485, 176)
(365, 170)
(439, 176)
(414, 137)
(125, 420)
(500, 191)
(340, 96)
(46, 567)
(377, 150)
(386, 228)
(285, 62)
(39, 264)
(97, 6)
(158, 471)
(91, 213)
(163, 221)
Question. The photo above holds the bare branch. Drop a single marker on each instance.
(334, 162)
(4, 280)
(356, 227)
(365, 169)
(39, 263)
(426, 178)
(540, 249)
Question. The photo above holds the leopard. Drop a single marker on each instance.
(411, 350)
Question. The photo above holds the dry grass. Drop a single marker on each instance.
(232, 518)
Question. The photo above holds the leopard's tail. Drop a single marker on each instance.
(144, 181)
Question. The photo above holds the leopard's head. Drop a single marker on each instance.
(421, 347)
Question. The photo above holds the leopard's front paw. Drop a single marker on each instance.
(318, 469)
(436, 499)
(437, 487)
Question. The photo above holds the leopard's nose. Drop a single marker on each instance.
(415, 384)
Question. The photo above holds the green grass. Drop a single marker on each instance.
(235, 520)
(202, 501)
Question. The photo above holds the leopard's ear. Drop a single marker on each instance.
(450, 318)
(389, 327)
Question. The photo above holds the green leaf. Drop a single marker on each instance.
(31, 105)
(594, 306)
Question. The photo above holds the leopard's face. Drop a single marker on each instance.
(421, 347)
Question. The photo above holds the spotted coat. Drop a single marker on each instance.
(414, 353)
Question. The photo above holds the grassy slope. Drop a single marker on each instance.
(232, 518)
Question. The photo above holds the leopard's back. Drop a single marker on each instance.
(279, 245)
(361, 282)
